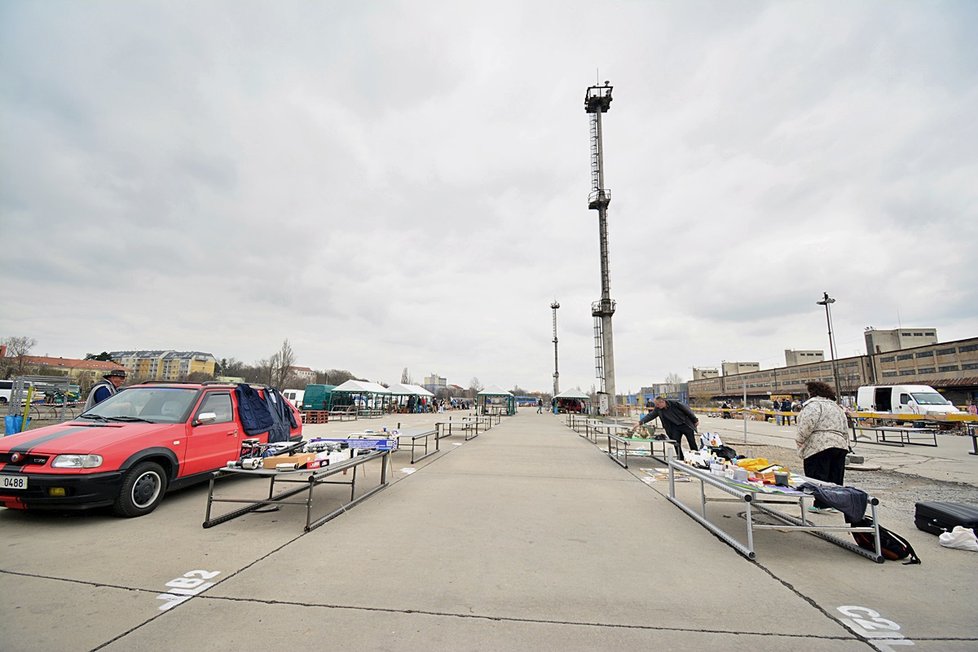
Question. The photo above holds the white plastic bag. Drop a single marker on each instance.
(960, 537)
(710, 439)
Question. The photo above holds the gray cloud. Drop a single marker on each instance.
(404, 184)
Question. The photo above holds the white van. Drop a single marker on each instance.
(903, 399)
(7, 388)
(294, 396)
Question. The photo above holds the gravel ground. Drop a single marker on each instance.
(897, 491)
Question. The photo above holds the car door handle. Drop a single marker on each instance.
(233, 433)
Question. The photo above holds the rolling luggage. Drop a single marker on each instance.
(938, 517)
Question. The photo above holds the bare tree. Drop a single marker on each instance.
(282, 363)
(260, 373)
(336, 376)
(230, 367)
(18, 348)
(406, 377)
(673, 378)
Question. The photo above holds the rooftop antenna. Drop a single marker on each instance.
(597, 100)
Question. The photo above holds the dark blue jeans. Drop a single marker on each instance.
(676, 435)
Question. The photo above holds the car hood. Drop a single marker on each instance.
(940, 409)
(79, 437)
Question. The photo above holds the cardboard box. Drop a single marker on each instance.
(302, 459)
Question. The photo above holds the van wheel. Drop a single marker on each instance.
(142, 490)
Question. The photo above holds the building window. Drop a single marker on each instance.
(970, 347)
(970, 365)
(918, 334)
(889, 374)
(907, 372)
(926, 370)
(905, 356)
(945, 351)
(888, 359)
(926, 354)
(952, 367)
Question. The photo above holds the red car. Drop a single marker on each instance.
(128, 450)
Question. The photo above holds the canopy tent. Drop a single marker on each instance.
(495, 396)
(408, 398)
(399, 389)
(368, 397)
(572, 400)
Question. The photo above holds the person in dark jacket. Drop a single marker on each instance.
(677, 419)
(105, 388)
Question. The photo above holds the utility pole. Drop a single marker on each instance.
(597, 100)
(554, 306)
(827, 301)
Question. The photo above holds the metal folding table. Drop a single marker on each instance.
(307, 479)
(755, 500)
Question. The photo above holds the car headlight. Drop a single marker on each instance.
(77, 462)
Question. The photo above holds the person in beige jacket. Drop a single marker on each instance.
(822, 438)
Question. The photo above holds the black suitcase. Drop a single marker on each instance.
(938, 518)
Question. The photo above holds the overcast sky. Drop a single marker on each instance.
(404, 184)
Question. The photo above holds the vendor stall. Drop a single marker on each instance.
(493, 400)
(408, 398)
(369, 399)
(765, 499)
(300, 477)
(572, 401)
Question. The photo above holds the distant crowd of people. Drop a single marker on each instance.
(424, 404)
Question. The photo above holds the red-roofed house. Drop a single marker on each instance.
(82, 372)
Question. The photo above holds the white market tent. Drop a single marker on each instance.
(573, 393)
(493, 394)
(373, 398)
(398, 389)
(572, 400)
(408, 397)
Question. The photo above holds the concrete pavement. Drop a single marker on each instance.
(527, 537)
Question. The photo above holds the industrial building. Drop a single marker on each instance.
(949, 367)
(792, 358)
(733, 368)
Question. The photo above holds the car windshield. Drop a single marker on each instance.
(153, 404)
(929, 398)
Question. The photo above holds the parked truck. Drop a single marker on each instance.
(316, 397)
(903, 399)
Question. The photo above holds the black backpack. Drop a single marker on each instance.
(724, 452)
(892, 545)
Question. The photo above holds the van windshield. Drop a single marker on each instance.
(929, 398)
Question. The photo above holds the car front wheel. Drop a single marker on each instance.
(142, 490)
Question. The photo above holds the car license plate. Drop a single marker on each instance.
(13, 482)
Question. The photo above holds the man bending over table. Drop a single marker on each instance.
(677, 419)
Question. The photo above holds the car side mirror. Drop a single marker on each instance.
(205, 417)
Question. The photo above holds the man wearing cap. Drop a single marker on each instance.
(105, 388)
(677, 419)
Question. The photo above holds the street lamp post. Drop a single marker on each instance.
(827, 301)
